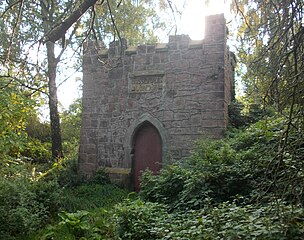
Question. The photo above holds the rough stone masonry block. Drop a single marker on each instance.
(182, 88)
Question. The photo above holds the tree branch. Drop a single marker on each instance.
(10, 7)
(58, 32)
(113, 22)
(19, 16)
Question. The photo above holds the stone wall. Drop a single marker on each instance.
(182, 87)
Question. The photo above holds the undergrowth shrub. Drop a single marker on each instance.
(246, 163)
(135, 219)
(77, 225)
(91, 196)
(65, 171)
(26, 206)
(30, 199)
(274, 150)
(85, 213)
(194, 189)
(37, 151)
(241, 115)
(213, 171)
(139, 220)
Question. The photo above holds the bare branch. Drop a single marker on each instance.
(113, 22)
(14, 29)
(10, 7)
(173, 13)
(242, 13)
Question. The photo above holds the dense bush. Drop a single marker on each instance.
(36, 129)
(37, 151)
(65, 171)
(135, 219)
(252, 169)
(213, 172)
(247, 186)
(85, 213)
(15, 108)
(79, 225)
(274, 150)
(247, 163)
(242, 116)
(139, 220)
(30, 199)
(26, 206)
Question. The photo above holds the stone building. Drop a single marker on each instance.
(143, 105)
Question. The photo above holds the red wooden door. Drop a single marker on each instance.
(147, 152)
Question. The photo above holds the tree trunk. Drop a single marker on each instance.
(53, 102)
(47, 12)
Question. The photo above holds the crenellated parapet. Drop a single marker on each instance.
(216, 32)
(121, 48)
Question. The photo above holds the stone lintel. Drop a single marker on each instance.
(146, 73)
(125, 171)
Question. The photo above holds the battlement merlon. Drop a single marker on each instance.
(215, 32)
(215, 28)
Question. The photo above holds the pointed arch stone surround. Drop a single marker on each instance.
(146, 117)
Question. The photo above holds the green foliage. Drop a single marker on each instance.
(245, 164)
(29, 200)
(135, 219)
(70, 129)
(17, 136)
(38, 144)
(71, 226)
(243, 114)
(99, 177)
(37, 151)
(214, 173)
(85, 214)
(236, 117)
(139, 220)
(37, 129)
(14, 110)
(65, 171)
(131, 21)
(81, 225)
(272, 161)
(71, 121)
(25, 205)
(91, 196)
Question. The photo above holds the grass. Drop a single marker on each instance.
(91, 196)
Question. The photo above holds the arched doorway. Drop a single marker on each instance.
(147, 152)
